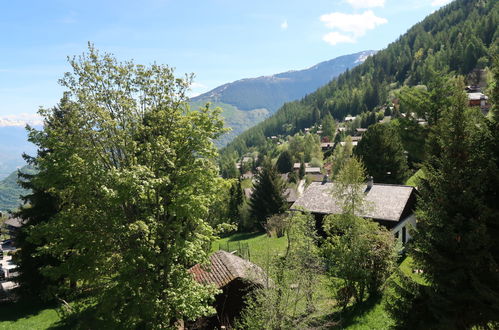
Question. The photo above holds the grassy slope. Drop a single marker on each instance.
(236, 119)
(369, 315)
(413, 180)
(27, 316)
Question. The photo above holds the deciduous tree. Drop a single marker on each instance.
(141, 172)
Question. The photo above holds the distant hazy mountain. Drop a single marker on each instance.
(13, 143)
(248, 101)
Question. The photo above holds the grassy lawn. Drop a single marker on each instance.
(371, 314)
(22, 315)
(414, 180)
(261, 246)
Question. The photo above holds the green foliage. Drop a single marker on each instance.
(357, 251)
(289, 301)
(40, 205)
(267, 198)
(456, 242)
(414, 179)
(136, 181)
(236, 200)
(305, 147)
(284, 162)
(328, 127)
(349, 185)
(408, 304)
(301, 172)
(340, 156)
(382, 152)
(360, 253)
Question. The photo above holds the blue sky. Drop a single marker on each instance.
(218, 40)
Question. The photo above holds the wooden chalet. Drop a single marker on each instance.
(390, 205)
(236, 277)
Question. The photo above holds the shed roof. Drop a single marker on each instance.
(14, 222)
(225, 267)
(477, 96)
(385, 201)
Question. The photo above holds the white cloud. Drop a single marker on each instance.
(284, 25)
(438, 3)
(356, 24)
(335, 37)
(366, 3)
(21, 120)
(195, 85)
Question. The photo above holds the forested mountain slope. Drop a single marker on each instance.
(10, 191)
(247, 102)
(458, 38)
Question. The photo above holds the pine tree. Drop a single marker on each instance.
(382, 152)
(236, 200)
(456, 243)
(285, 162)
(267, 198)
(40, 205)
(302, 172)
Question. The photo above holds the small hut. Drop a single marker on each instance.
(236, 277)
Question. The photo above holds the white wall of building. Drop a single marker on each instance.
(409, 224)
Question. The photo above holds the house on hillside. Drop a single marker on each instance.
(327, 146)
(235, 277)
(478, 99)
(12, 225)
(390, 205)
(291, 194)
(359, 131)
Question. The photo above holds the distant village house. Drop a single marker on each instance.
(390, 205)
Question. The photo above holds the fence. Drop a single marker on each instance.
(240, 249)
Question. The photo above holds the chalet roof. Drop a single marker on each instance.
(225, 267)
(14, 222)
(477, 96)
(354, 143)
(297, 165)
(384, 201)
(291, 195)
(312, 170)
(356, 138)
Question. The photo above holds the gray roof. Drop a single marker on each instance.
(291, 195)
(384, 201)
(224, 267)
(477, 96)
(313, 170)
(14, 222)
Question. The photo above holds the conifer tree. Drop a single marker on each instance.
(302, 172)
(267, 198)
(236, 200)
(40, 205)
(382, 152)
(285, 162)
(456, 242)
